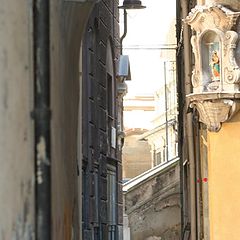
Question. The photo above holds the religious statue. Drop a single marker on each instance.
(215, 66)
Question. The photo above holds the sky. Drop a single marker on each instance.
(147, 31)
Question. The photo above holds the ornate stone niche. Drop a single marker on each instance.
(216, 75)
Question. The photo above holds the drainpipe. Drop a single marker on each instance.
(189, 125)
(41, 116)
(180, 100)
(199, 199)
(124, 30)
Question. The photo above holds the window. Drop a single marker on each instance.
(111, 97)
(112, 201)
(158, 158)
(110, 114)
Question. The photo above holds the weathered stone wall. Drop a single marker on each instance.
(153, 207)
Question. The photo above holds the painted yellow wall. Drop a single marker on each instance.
(224, 181)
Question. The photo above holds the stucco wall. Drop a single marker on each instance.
(16, 126)
(67, 26)
(224, 171)
(17, 174)
(67, 30)
(224, 178)
(153, 207)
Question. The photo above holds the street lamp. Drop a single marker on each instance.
(132, 4)
(127, 5)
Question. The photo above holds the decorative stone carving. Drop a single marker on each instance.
(214, 109)
(216, 70)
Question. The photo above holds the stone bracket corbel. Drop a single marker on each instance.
(215, 108)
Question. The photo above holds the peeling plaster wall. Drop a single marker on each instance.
(17, 176)
(16, 126)
(153, 207)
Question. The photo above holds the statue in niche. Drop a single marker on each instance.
(212, 67)
(215, 66)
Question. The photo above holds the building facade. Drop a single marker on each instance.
(163, 137)
(152, 204)
(209, 140)
(102, 198)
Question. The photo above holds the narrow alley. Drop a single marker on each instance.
(119, 119)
